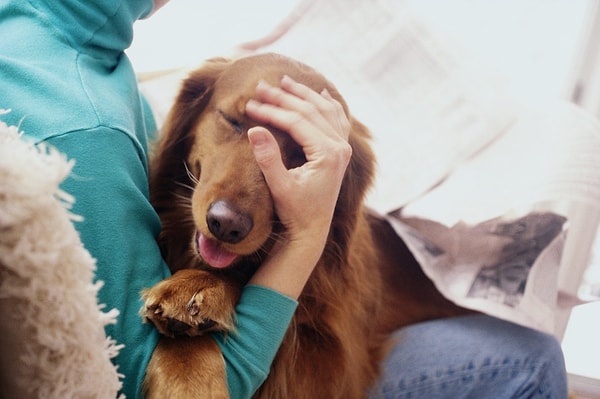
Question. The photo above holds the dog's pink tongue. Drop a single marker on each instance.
(213, 253)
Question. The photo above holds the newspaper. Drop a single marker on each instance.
(499, 201)
(543, 173)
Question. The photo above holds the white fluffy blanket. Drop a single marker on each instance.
(52, 338)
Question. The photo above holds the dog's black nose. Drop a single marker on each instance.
(227, 223)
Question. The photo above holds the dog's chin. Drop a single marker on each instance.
(213, 253)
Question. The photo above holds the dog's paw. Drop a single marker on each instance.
(191, 302)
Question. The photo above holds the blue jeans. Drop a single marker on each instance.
(472, 357)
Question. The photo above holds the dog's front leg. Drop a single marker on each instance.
(187, 363)
(186, 367)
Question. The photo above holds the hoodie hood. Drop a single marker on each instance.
(99, 28)
(63, 66)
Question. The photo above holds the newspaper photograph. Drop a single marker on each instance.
(505, 266)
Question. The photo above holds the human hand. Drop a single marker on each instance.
(305, 196)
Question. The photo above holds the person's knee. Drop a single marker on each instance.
(550, 349)
(548, 376)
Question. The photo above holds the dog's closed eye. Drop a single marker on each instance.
(232, 121)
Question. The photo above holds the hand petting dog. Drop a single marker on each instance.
(318, 124)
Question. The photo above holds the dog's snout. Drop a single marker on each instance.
(227, 223)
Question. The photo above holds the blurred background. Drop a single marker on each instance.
(544, 48)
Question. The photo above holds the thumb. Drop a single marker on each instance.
(268, 156)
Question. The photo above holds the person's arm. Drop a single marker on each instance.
(262, 318)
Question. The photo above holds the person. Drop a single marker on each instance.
(68, 83)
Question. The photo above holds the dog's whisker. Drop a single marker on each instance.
(277, 236)
(274, 237)
(183, 199)
(262, 251)
(193, 178)
(186, 186)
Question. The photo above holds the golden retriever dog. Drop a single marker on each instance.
(219, 224)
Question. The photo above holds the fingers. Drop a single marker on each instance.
(316, 121)
(299, 110)
(328, 107)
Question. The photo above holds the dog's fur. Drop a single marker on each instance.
(365, 285)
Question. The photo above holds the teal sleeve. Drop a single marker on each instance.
(110, 186)
(263, 317)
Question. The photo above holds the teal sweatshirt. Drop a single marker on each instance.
(64, 75)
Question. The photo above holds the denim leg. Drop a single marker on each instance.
(472, 357)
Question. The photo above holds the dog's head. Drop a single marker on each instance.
(214, 203)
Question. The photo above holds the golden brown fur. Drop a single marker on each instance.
(366, 283)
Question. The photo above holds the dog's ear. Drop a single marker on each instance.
(168, 170)
(357, 181)
(361, 170)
